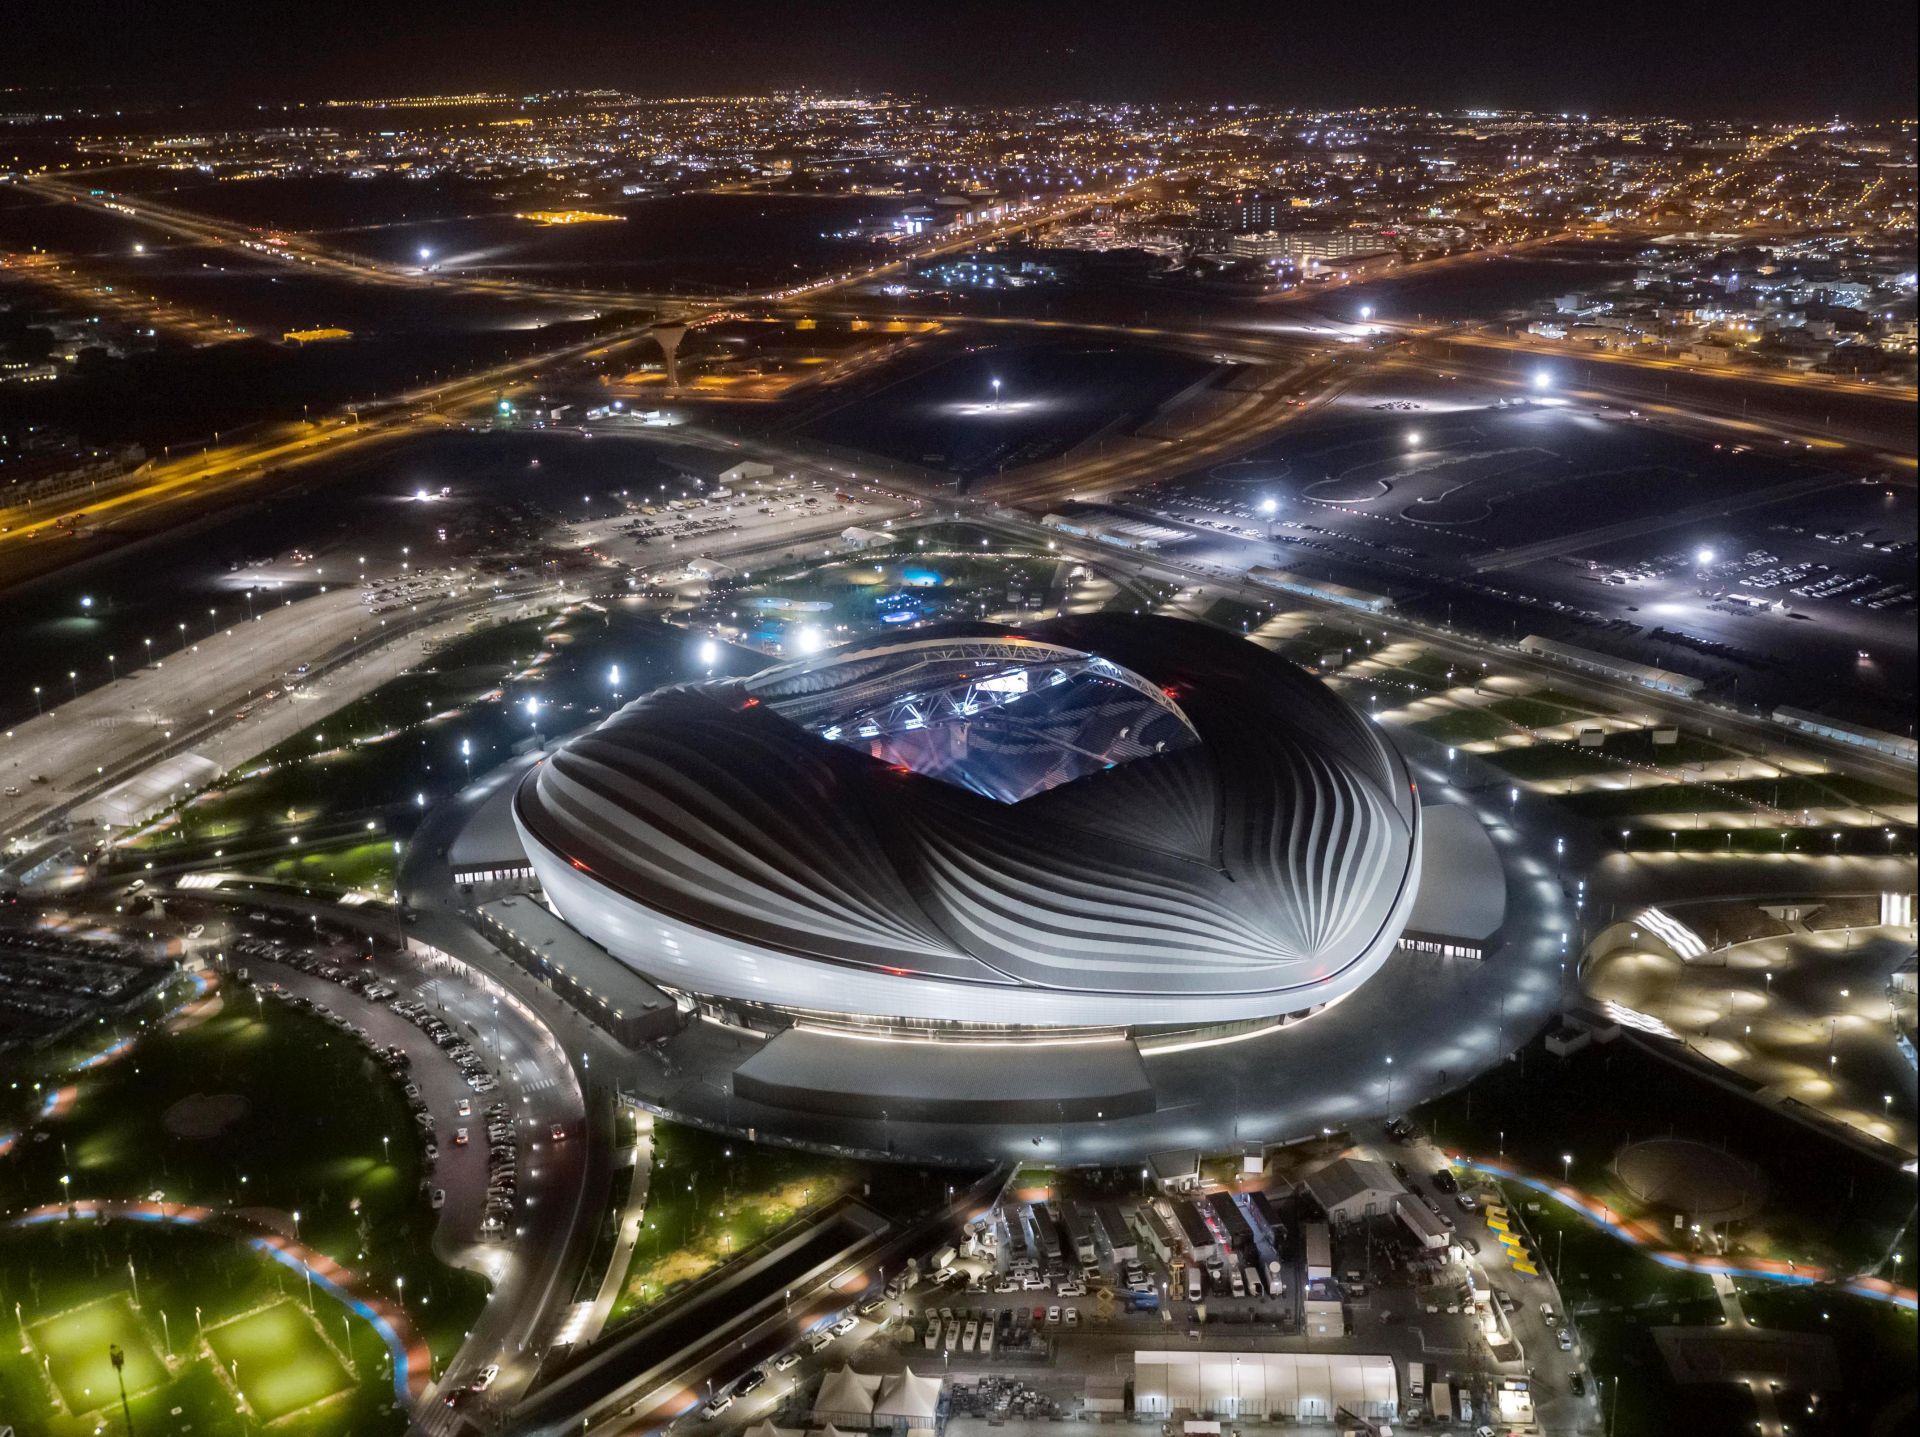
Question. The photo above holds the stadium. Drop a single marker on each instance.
(1063, 831)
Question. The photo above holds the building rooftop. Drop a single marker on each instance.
(587, 965)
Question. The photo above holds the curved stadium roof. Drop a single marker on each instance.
(1090, 819)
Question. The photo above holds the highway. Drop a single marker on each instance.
(37, 539)
(295, 249)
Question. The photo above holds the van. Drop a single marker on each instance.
(1253, 1282)
(1195, 1284)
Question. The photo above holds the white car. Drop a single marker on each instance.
(785, 1360)
(820, 1339)
(719, 1404)
(485, 1379)
(438, 1198)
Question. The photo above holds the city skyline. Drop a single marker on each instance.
(1709, 60)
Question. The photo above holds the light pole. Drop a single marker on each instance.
(1566, 1168)
(119, 1360)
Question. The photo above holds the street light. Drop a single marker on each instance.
(1566, 1168)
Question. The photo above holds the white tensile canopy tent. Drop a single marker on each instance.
(846, 1400)
(907, 1401)
(1298, 1385)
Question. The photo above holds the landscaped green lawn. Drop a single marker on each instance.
(308, 1138)
(1463, 726)
(1541, 711)
(1546, 762)
(710, 1199)
(1827, 1203)
(278, 1360)
(369, 865)
(405, 738)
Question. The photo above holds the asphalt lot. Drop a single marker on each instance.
(1436, 491)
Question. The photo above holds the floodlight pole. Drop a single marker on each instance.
(119, 1359)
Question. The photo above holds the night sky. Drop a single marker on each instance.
(1680, 57)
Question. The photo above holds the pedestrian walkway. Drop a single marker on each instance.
(632, 1215)
(1651, 1240)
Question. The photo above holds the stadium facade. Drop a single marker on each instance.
(1075, 827)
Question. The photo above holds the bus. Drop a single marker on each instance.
(1079, 1225)
(1047, 1237)
(1227, 1216)
(1154, 1234)
(1194, 1231)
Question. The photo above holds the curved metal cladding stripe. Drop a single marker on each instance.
(1267, 868)
(733, 819)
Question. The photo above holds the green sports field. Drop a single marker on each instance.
(278, 1360)
(77, 1345)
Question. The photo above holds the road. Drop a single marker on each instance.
(1556, 352)
(1555, 1406)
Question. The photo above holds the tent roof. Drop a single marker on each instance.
(844, 1390)
(908, 1395)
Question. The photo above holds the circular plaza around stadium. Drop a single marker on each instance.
(1088, 888)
